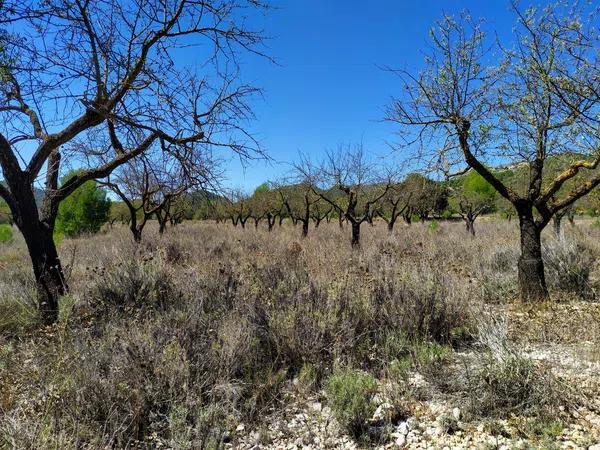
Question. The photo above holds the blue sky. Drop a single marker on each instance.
(329, 87)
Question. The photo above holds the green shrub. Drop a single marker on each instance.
(428, 354)
(543, 427)
(399, 369)
(350, 394)
(6, 234)
(84, 211)
(17, 316)
(513, 383)
(434, 225)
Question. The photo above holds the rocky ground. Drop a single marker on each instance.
(438, 421)
(308, 423)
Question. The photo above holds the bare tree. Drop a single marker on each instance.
(106, 71)
(239, 208)
(136, 190)
(395, 202)
(154, 185)
(482, 104)
(320, 211)
(351, 185)
(471, 198)
(298, 196)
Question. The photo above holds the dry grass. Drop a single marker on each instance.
(178, 339)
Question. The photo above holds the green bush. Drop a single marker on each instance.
(434, 225)
(17, 316)
(514, 383)
(6, 233)
(428, 354)
(84, 211)
(351, 396)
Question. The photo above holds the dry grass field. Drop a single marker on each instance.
(216, 337)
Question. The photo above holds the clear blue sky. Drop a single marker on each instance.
(329, 87)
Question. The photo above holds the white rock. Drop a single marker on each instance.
(456, 413)
(382, 411)
(241, 427)
(402, 428)
(594, 447)
(400, 441)
(316, 406)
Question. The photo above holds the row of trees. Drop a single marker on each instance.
(96, 86)
(346, 187)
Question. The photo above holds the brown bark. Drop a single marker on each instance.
(470, 225)
(47, 269)
(355, 242)
(532, 281)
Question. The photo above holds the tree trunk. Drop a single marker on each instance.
(532, 282)
(318, 222)
(470, 225)
(390, 225)
(355, 235)
(137, 234)
(305, 224)
(50, 281)
(556, 222)
(162, 226)
(38, 236)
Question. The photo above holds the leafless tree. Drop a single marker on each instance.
(482, 104)
(352, 185)
(110, 71)
(239, 207)
(297, 195)
(320, 211)
(395, 202)
(155, 183)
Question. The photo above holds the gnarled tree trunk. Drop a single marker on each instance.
(38, 235)
(532, 281)
(355, 242)
(305, 224)
(50, 282)
(470, 225)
